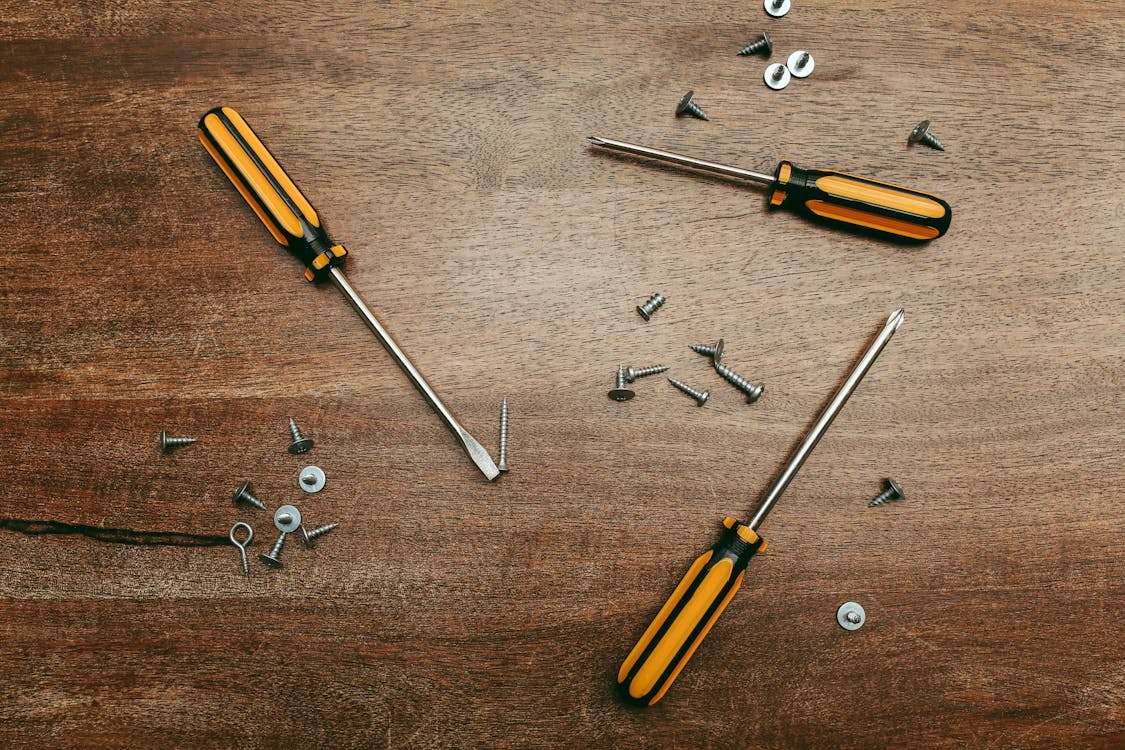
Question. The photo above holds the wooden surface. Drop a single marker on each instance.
(444, 145)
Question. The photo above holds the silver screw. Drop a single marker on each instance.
(704, 349)
(632, 373)
(287, 519)
(921, 134)
(167, 442)
(245, 494)
(502, 465)
(699, 396)
(851, 616)
(653, 304)
(620, 392)
(753, 392)
(300, 444)
(777, 76)
(688, 107)
(273, 558)
(763, 44)
(800, 64)
(776, 8)
(243, 544)
(312, 479)
(892, 491)
(307, 537)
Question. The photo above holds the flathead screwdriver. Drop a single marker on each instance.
(715, 576)
(832, 197)
(293, 222)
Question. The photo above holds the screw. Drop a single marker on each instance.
(502, 465)
(311, 479)
(167, 443)
(762, 44)
(892, 491)
(652, 305)
(687, 106)
(245, 494)
(300, 444)
(620, 392)
(921, 134)
(700, 398)
(242, 544)
(776, 76)
(307, 537)
(753, 392)
(851, 616)
(272, 559)
(777, 8)
(800, 64)
(632, 373)
(704, 349)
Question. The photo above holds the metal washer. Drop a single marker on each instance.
(314, 472)
(291, 516)
(791, 64)
(849, 609)
(779, 11)
(768, 76)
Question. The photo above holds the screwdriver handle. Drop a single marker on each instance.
(847, 199)
(281, 206)
(681, 624)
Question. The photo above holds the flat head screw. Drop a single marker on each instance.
(654, 303)
(921, 134)
(502, 464)
(245, 494)
(777, 76)
(699, 396)
(300, 444)
(800, 64)
(892, 491)
(168, 443)
(273, 558)
(762, 45)
(776, 8)
(308, 537)
(752, 391)
(688, 107)
(620, 392)
(632, 373)
(851, 616)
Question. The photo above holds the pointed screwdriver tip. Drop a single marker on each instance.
(593, 140)
(895, 319)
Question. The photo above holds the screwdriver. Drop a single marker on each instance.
(832, 197)
(293, 222)
(706, 589)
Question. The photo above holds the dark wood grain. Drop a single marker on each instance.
(443, 143)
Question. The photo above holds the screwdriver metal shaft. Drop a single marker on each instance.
(472, 447)
(894, 320)
(681, 160)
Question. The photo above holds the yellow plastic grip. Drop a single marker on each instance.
(268, 190)
(688, 615)
(872, 206)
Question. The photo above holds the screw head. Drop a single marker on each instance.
(851, 616)
(919, 132)
(755, 393)
(767, 43)
(304, 445)
(287, 518)
(273, 562)
(895, 487)
(685, 102)
(703, 398)
(621, 394)
(717, 357)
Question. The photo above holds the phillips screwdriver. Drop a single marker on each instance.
(293, 222)
(706, 589)
(832, 197)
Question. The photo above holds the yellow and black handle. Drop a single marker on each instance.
(847, 199)
(687, 616)
(282, 207)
